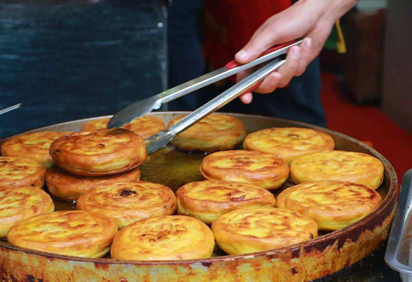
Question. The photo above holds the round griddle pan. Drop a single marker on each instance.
(309, 260)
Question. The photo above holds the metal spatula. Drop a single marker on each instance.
(142, 107)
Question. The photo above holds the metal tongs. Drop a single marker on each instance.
(141, 107)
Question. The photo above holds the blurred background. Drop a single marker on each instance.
(72, 59)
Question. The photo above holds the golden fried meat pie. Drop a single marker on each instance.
(72, 233)
(21, 172)
(288, 142)
(261, 169)
(99, 153)
(145, 126)
(66, 186)
(253, 230)
(215, 132)
(208, 200)
(33, 145)
(129, 202)
(19, 203)
(164, 238)
(332, 204)
(353, 167)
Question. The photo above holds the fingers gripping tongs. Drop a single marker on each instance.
(141, 107)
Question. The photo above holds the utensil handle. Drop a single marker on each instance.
(233, 64)
(231, 68)
(216, 103)
(6, 110)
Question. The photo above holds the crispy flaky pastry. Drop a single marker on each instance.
(164, 238)
(99, 153)
(288, 142)
(21, 172)
(33, 145)
(66, 186)
(19, 203)
(129, 202)
(332, 204)
(145, 126)
(261, 169)
(253, 230)
(208, 200)
(215, 132)
(353, 167)
(72, 233)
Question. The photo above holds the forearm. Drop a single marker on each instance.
(331, 10)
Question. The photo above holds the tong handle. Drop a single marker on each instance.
(233, 64)
(230, 69)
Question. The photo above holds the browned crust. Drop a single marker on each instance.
(252, 230)
(145, 126)
(218, 197)
(33, 145)
(320, 257)
(30, 172)
(99, 153)
(216, 132)
(288, 142)
(238, 167)
(66, 186)
(337, 165)
(332, 204)
(19, 203)
(164, 238)
(76, 233)
(129, 202)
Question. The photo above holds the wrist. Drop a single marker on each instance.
(332, 10)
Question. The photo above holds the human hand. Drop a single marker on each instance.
(311, 19)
